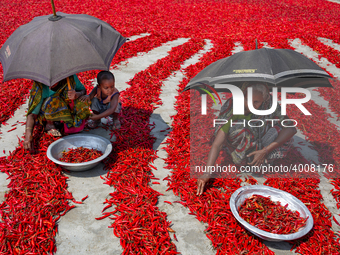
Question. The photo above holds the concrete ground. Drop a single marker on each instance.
(80, 233)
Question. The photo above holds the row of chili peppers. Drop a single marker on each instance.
(331, 95)
(128, 50)
(138, 221)
(36, 199)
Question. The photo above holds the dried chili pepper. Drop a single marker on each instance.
(80, 155)
(270, 216)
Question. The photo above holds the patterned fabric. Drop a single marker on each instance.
(270, 137)
(244, 140)
(35, 96)
(58, 107)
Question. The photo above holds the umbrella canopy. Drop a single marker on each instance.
(277, 67)
(49, 50)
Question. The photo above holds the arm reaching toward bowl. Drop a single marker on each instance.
(213, 154)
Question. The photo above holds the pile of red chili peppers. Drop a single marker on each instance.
(270, 216)
(37, 194)
(80, 155)
(37, 198)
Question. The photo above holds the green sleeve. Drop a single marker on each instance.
(37, 108)
(45, 94)
(79, 85)
(226, 127)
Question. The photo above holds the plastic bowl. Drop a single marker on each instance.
(294, 204)
(54, 151)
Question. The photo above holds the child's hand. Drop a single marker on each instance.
(93, 117)
(85, 98)
(72, 94)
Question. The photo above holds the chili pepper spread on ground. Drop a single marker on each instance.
(271, 216)
(80, 155)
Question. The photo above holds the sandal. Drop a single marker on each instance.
(54, 132)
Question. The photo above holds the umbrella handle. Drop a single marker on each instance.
(69, 88)
(68, 83)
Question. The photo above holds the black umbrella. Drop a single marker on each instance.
(276, 67)
(51, 48)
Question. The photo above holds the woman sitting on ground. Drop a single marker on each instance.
(56, 104)
(257, 145)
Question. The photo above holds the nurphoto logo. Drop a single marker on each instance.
(238, 102)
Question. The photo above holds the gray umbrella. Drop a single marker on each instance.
(276, 67)
(51, 48)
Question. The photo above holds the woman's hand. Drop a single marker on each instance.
(85, 98)
(259, 157)
(201, 182)
(213, 154)
(28, 143)
(72, 94)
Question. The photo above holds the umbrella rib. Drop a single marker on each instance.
(270, 60)
(306, 71)
(3, 60)
(82, 34)
(268, 76)
(86, 38)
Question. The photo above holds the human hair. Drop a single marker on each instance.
(260, 87)
(104, 75)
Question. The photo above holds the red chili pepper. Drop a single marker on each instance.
(77, 202)
(79, 155)
(103, 217)
(336, 221)
(258, 210)
(12, 129)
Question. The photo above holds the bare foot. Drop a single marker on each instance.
(51, 130)
(116, 124)
(54, 132)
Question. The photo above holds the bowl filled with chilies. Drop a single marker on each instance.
(79, 152)
(271, 214)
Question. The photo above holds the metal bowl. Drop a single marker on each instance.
(294, 204)
(54, 151)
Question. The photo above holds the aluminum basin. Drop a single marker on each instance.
(294, 204)
(54, 151)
